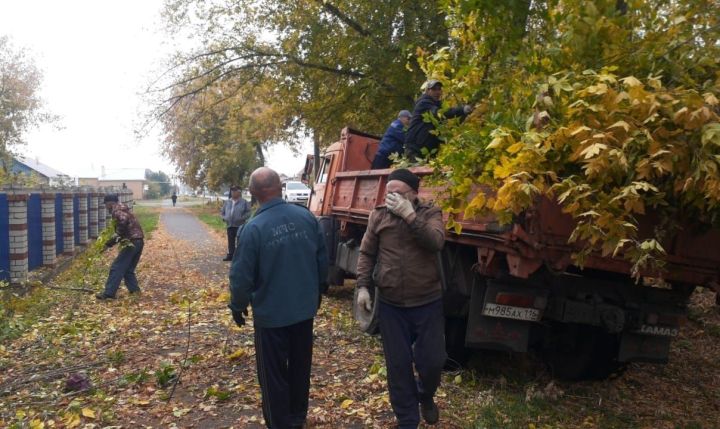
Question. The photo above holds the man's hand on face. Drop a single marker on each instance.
(400, 206)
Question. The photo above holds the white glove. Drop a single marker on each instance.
(391, 200)
(467, 109)
(399, 205)
(363, 299)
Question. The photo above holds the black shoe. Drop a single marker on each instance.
(102, 296)
(429, 411)
(227, 258)
(135, 292)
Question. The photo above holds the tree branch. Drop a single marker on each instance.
(344, 18)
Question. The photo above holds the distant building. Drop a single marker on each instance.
(130, 178)
(47, 174)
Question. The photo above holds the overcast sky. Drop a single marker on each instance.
(97, 57)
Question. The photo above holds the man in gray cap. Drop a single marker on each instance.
(392, 142)
(420, 133)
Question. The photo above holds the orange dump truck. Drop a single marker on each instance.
(514, 287)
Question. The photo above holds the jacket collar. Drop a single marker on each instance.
(430, 99)
(270, 204)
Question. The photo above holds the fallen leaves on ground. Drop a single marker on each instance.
(172, 357)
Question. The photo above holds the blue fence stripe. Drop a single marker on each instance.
(4, 238)
(34, 216)
(58, 224)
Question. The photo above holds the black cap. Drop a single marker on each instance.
(406, 176)
(111, 198)
(234, 188)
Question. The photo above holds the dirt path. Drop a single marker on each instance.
(125, 355)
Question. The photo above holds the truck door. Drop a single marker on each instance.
(317, 195)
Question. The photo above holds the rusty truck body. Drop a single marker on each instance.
(515, 287)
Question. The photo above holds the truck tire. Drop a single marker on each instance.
(457, 353)
(367, 320)
(581, 352)
(569, 352)
(336, 276)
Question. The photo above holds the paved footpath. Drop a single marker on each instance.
(208, 248)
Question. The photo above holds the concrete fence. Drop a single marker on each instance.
(37, 226)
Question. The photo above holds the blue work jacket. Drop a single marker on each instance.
(279, 265)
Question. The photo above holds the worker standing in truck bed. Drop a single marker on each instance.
(420, 133)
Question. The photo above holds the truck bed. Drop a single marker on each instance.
(539, 239)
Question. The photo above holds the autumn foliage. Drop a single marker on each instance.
(609, 108)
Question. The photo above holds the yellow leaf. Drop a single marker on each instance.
(631, 81)
(515, 148)
(495, 143)
(624, 125)
(37, 424)
(346, 403)
(579, 130)
(72, 420)
(237, 354)
(87, 412)
(710, 98)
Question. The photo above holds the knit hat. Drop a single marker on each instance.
(111, 198)
(406, 176)
(404, 114)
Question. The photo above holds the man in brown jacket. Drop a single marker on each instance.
(129, 233)
(399, 254)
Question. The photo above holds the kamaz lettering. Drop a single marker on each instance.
(659, 330)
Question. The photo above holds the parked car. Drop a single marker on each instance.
(295, 192)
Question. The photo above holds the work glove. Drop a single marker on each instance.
(238, 317)
(467, 109)
(363, 299)
(115, 239)
(399, 205)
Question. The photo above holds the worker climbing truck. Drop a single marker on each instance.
(514, 287)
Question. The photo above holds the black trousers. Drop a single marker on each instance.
(284, 357)
(232, 237)
(412, 335)
(123, 268)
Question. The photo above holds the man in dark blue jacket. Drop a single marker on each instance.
(278, 268)
(393, 141)
(420, 133)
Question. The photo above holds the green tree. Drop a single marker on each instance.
(610, 107)
(331, 63)
(159, 184)
(217, 137)
(21, 107)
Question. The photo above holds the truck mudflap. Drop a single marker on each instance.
(501, 315)
(637, 347)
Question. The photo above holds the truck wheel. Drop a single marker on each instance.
(579, 352)
(605, 363)
(367, 320)
(457, 354)
(569, 353)
(336, 276)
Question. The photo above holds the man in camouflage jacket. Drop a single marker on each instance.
(129, 233)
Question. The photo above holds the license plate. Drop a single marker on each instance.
(508, 312)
